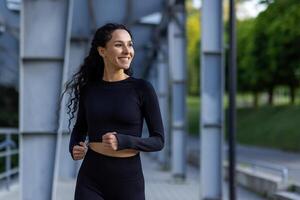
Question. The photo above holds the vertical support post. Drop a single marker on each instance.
(232, 104)
(177, 63)
(77, 50)
(61, 115)
(43, 32)
(163, 95)
(212, 75)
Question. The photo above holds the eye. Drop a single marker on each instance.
(130, 44)
(118, 45)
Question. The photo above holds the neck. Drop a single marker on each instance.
(114, 75)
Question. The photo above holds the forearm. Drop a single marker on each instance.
(150, 144)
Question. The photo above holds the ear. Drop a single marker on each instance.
(101, 51)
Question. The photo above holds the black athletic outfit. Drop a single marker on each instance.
(119, 106)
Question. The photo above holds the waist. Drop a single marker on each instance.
(100, 148)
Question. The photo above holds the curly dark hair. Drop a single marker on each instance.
(92, 68)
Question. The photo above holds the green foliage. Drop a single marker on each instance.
(8, 107)
(266, 1)
(247, 73)
(9, 118)
(268, 48)
(283, 46)
(193, 50)
(193, 107)
(276, 127)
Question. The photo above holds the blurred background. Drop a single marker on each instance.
(267, 131)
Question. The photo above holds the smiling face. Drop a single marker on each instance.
(118, 51)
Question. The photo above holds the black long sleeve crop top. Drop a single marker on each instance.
(119, 106)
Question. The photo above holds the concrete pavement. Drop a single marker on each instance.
(271, 157)
(159, 185)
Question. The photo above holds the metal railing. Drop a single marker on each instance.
(255, 165)
(7, 152)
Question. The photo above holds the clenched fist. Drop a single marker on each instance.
(79, 151)
(110, 140)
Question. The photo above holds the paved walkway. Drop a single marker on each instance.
(270, 157)
(273, 157)
(159, 186)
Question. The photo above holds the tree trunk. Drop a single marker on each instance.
(270, 96)
(255, 99)
(292, 94)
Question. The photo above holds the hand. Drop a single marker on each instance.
(79, 151)
(110, 140)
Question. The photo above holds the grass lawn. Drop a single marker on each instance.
(268, 126)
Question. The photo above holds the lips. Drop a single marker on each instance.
(124, 59)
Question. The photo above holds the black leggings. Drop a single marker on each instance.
(104, 177)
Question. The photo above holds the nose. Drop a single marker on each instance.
(126, 50)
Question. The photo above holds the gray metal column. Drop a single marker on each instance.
(63, 163)
(177, 62)
(163, 94)
(212, 104)
(232, 104)
(68, 167)
(43, 32)
(77, 49)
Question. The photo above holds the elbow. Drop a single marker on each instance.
(160, 143)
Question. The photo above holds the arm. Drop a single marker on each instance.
(80, 128)
(151, 112)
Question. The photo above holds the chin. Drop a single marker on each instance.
(125, 67)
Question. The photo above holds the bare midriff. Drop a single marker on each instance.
(100, 148)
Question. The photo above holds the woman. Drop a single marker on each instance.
(111, 108)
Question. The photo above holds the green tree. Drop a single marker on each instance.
(193, 50)
(261, 59)
(276, 40)
(248, 74)
(284, 42)
(268, 53)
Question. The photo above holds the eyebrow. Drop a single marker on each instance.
(123, 41)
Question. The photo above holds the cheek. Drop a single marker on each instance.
(114, 55)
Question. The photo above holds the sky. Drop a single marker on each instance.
(245, 10)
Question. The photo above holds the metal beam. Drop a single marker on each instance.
(61, 154)
(212, 75)
(43, 32)
(163, 94)
(177, 63)
(232, 104)
(76, 49)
